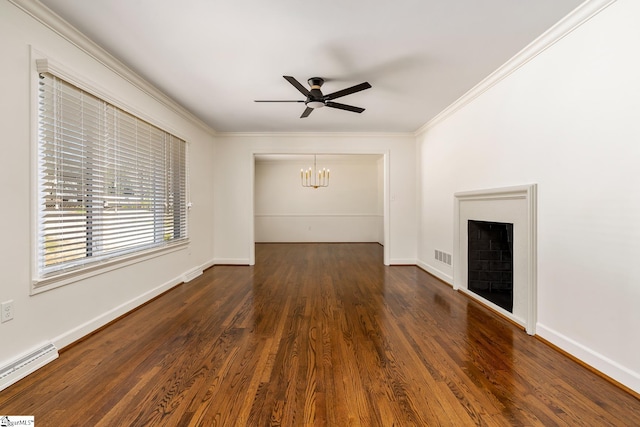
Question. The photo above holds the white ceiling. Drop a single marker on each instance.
(216, 57)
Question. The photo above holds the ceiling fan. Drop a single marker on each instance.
(315, 98)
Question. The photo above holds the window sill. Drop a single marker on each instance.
(43, 284)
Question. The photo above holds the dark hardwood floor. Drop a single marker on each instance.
(316, 334)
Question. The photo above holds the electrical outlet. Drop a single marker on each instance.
(7, 311)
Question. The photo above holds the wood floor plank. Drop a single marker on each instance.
(316, 335)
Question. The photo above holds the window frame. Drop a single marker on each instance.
(44, 282)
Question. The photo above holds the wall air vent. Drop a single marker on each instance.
(443, 257)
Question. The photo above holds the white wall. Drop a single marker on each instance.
(234, 192)
(65, 314)
(345, 211)
(567, 120)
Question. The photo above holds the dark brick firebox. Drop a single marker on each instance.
(490, 255)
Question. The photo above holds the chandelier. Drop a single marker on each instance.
(313, 177)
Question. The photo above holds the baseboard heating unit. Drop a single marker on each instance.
(27, 364)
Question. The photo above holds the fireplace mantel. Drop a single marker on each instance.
(517, 205)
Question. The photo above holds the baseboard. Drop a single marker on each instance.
(435, 272)
(27, 363)
(231, 261)
(192, 274)
(593, 359)
(400, 261)
(86, 328)
(197, 272)
(207, 265)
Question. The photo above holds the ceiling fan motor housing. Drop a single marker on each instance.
(315, 81)
(314, 100)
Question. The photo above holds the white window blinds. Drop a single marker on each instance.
(109, 183)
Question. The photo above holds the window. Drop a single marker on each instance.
(109, 183)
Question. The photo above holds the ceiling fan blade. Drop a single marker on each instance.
(297, 85)
(348, 91)
(277, 100)
(306, 112)
(344, 107)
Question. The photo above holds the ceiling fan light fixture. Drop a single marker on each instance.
(315, 104)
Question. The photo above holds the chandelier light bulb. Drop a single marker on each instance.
(314, 178)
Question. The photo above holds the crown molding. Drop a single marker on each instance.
(326, 159)
(54, 22)
(562, 28)
(315, 134)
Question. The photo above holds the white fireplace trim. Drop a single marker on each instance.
(527, 193)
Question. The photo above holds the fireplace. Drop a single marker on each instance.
(494, 253)
(490, 259)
